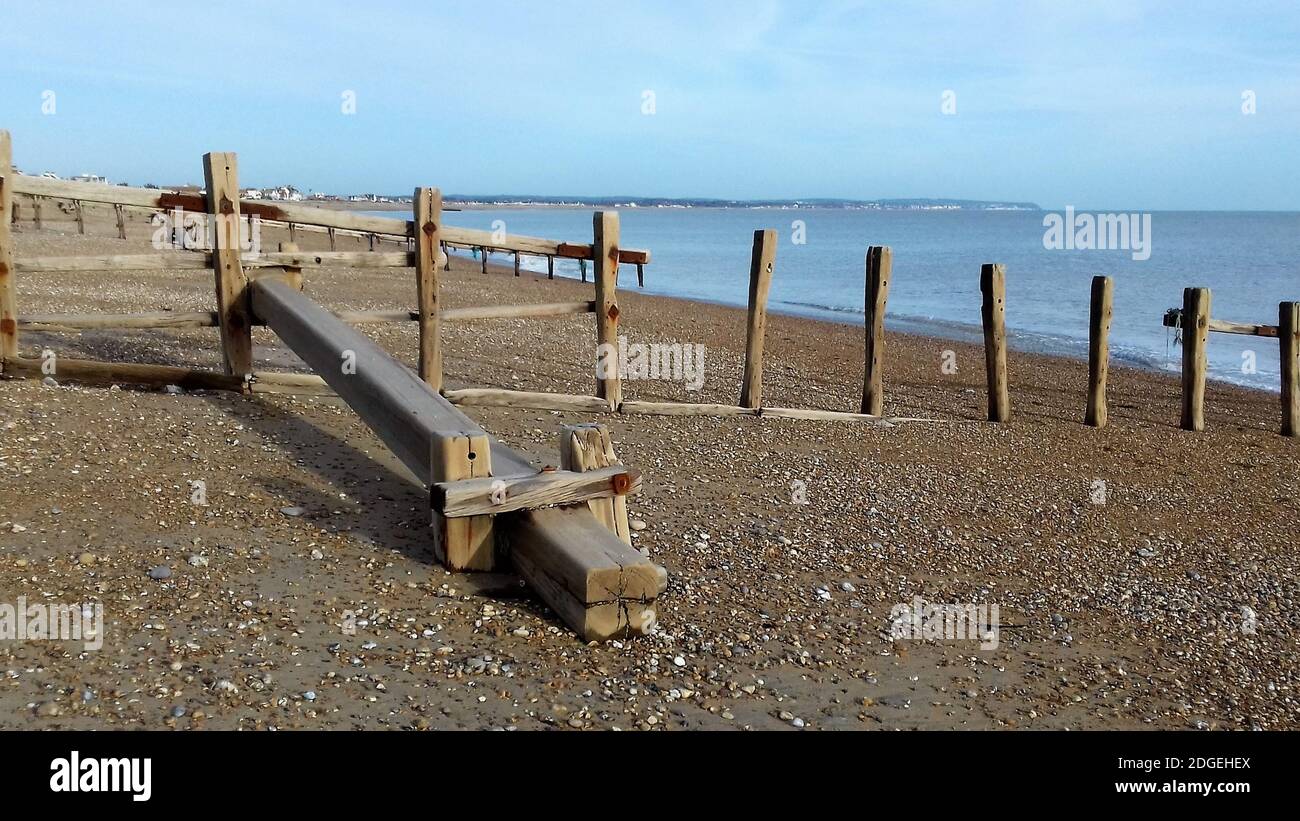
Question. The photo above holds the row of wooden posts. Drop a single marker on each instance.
(879, 264)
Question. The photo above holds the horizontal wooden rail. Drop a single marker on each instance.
(82, 322)
(1174, 319)
(534, 400)
(300, 214)
(478, 497)
(88, 370)
(157, 261)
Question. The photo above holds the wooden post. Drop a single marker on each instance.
(993, 287)
(372, 242)
(8, 290)
(292, 273)
(880, 264)
(446, 256)
(80, 215)
(1196, 335)
(588, 447)
(550, 267)
(221, 177)
(483, 261)
(605, 259)
(1099, 316)
(462, 543)
(331, 232)
(640, 275)
(36, 212)
(293, 233)
(516, 263)
(120, 211)
(582, 266)
(428, 224)
(762, 262)
(1288, 336)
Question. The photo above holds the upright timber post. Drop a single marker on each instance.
(1288, 337)
(1196, 334)
(36, 212)
(516, 263)
(550, 267)
(291, 273)
(605, 261)
(121, 220)
(587, 447)
(1099, 317)
(880, 263)
(79, 212)
(221, 176)
(428, 226)
(640, 275)
(8, 291)
(993, 287)
(484, 262)
(762, 262)
(332, 236)
(466, 542)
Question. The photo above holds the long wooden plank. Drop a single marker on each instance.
(1173, 319)
(81, 322)
(476, 497)
(157, 261)
(8, 290)
(499, 398)
(87, 370)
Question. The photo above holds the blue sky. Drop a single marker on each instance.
(1099, 104)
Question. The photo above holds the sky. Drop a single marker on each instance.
(1105, 105)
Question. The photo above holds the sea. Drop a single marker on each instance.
(1249, 260)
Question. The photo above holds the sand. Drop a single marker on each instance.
(1170, 605)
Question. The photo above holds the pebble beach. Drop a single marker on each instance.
(1145, 576)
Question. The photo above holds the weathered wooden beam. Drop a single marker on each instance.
(596, 583)
(880, 264)
(762, 262)
(120, 212)
(221, 176)
(157, 261)
(1099, 318)
(81, 322)
(993, 288)
(1173, 318)
(601, 587)
(87, 370)
(499, 398)
(478, 497)
(1196, 331)
(8, 289)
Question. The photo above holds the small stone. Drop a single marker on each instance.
(49, 710)
(160, 572)
(86, 559)
(317, 554)
(17, 529)
(292, 511)
(198, 561)
(310, 695)
(848, 587)
(575, 723)
(20, 563)
(637, 524)
(785, 715)
(173, 390)
(798, 722)
(178, 711)
(49, 382)
(679, 661)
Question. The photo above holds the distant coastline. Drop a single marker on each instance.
(472, 202)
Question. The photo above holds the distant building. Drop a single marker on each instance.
(251, 194)
(95, 178)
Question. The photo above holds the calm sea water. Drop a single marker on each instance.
(1251, 261)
